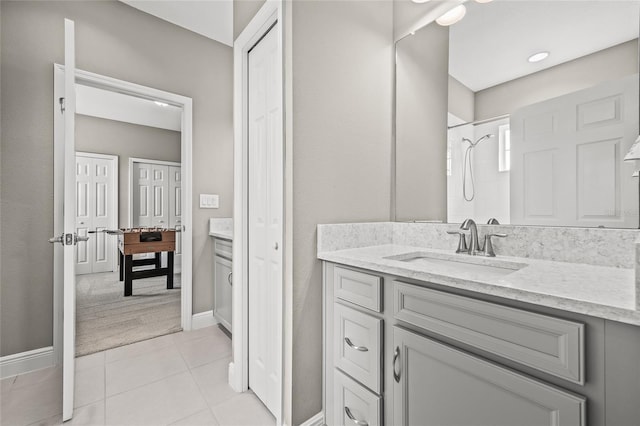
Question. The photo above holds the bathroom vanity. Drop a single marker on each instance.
(415, 334)
(221, 231)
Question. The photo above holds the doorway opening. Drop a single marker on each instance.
(102, 129)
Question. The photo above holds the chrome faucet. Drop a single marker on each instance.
(470, 225)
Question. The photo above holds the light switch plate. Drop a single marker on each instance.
(209, 201)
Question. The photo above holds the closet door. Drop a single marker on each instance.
(142, 195)
(175, 210)
(84, 206)
(160, 199)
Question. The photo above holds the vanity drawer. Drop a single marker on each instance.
(354, 404)
(357, 345)
(358, 287)
(223, 248)
(552, 345)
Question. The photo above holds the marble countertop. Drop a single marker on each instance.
(598, 291)
(221, 228)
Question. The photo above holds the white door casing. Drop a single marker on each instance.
(64, 176)
(567, 158)
(97, 210)
(265, 219)
(270, 13)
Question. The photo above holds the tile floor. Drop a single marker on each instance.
(177, 379)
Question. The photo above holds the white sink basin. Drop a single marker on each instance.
(460, 263)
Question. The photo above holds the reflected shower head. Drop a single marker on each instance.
(487, 136)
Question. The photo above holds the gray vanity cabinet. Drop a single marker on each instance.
(436, 384)
(223, 281)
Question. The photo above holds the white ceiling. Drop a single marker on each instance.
(210, 18)
(493, 41)
(126, 108)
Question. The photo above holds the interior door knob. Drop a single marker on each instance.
(275, 246)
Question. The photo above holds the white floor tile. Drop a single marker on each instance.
(38, 376)
(139, 348)
(90, 386)
(90, 361)
(129, 373)
(185, 336)
(205, 350)
(31, 402)
(212, 379)
(202, 418)
(243, 410)
(89, 415)
(159, 403)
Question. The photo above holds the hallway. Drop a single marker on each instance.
(177, 379)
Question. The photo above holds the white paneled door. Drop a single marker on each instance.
(157, 197)
(567, 156)
(96, 210)
(265, 220)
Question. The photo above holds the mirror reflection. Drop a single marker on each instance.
(540, 114)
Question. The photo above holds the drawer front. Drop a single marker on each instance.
(552, 345)
(354, 404)
(357, 345)
(358, 287)
(223, 248)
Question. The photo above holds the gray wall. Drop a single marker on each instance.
(116, 40)
(609, 64)
(243, 12)
(126, 140)
(421, 131)
(342, 80)
(461, 100)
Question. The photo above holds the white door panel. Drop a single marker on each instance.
(175, 211)
(265, 221)
(69, 261)
(96, 196)
(567, 158)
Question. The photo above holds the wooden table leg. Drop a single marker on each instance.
(128, 275)
(121, 266)
(170, 270)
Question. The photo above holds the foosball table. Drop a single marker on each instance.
(140, 241)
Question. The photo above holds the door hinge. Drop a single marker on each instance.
(62, 107)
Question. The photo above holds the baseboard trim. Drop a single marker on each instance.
(317, 420)
(202, 320)
(24, 362)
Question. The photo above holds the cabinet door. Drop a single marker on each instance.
(435, 384)
(222, 288)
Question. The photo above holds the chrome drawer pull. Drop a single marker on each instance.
(357, 348)
(396, 355)
(353, 419)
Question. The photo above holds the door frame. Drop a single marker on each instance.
(186, 162)
(130, 177)
(113, 223)
(270, 13)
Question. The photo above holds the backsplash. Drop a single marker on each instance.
(593, 246)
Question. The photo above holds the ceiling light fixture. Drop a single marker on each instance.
(452, 16)
(537, 57)
(420, 1)
(161, 104)
(483, 1)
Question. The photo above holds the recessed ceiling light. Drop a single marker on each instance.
(537, 57)
(483, 1)
(452, 16)
(161, 104)
(419, 1)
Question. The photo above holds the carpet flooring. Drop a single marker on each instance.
(105, 319)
